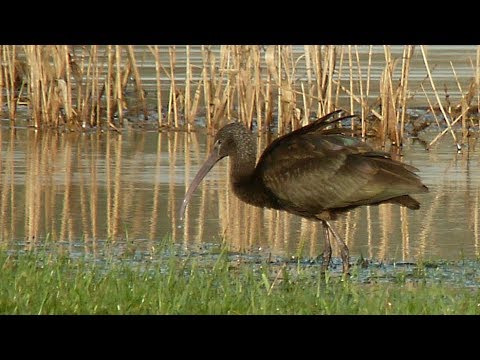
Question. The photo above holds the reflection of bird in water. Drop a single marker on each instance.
(312, 172)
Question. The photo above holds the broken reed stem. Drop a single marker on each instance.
(138, 81)
(438, 98)
(462, 102)
(447, 129)
(431, 106)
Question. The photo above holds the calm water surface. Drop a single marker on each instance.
(83, 193)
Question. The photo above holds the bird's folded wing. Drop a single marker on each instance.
(315, 173)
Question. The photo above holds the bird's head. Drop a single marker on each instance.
(228, 142)
(230, 138)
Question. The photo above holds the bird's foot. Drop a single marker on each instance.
(326, 261)
(346, 266)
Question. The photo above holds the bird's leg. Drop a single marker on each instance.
(327, 249)
(343, 248)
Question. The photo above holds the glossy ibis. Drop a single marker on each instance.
(313, 172)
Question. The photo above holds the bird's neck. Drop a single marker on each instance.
(242, 163)
(245, 184)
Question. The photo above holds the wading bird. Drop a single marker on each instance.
(313, 172)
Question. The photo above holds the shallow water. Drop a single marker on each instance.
(107, 194)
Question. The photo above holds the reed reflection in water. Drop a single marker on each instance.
(83, 190)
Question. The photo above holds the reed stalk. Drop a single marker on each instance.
(95, 119)
(156, 54)
(338, 81)
(188, 79)
(477, 79)
(363, 96)
(350, 67)
(77, 67)
(259, 91)
(280, 90)
(272, 80)
(228, 91)
(2, 82)
(406, 59)
(9, 59)
(118, 83)
(68, 75)
(208, 60)
(108, 83)
(172, 105)
(327, 88)
(307, 100)
(389, 113)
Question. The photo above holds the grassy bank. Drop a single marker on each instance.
(45, 284)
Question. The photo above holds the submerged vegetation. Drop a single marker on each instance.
(43, 283)
(83, 87)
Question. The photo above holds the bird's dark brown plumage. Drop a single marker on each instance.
(312, 172)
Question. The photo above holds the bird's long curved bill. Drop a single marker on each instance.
(211, 160)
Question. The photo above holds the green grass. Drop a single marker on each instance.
(42, 283)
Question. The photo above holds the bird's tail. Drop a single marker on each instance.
(407, 201)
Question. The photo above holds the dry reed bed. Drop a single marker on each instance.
(81, 87)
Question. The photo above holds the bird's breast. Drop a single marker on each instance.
(253, 192)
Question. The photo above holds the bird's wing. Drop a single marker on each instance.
(311, 173)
